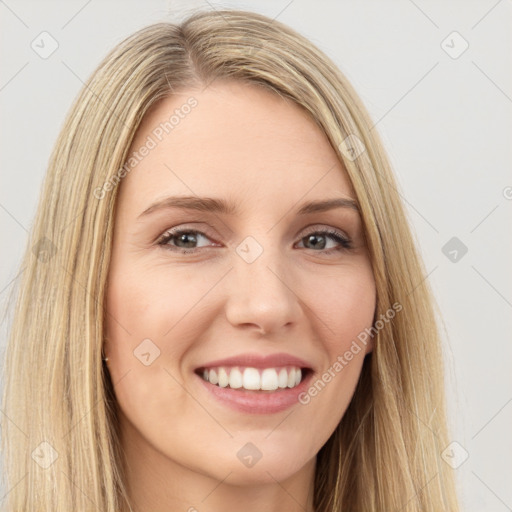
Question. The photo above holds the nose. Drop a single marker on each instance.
(261, 294)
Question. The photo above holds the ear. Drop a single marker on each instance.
(370, 345)
(104, 348)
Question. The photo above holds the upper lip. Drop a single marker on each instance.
(259, 361)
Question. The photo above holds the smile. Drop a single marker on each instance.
(254, 383)
(253, 379)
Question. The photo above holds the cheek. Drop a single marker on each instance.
(344, 309)
(152, 303)
(345, 302)
(155, 314)
(149, 325)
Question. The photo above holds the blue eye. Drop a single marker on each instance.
(190, 237)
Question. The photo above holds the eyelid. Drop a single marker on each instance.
(344, 239)
(323, 227)
(310, 229)
(169, 233)
(188, 228)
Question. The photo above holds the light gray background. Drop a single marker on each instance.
(446, 123)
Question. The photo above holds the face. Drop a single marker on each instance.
(261, 298)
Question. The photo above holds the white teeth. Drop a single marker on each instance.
(267, 379)
(291, 378)
(298, 376)
(235, 378)
(223, 378)
(252, 379)
(283, 378)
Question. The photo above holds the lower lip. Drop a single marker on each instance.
(258, 402)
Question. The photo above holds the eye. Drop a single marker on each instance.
(185, 241)
(317, 240)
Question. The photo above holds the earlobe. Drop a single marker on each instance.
(103, 354)
(369, 346)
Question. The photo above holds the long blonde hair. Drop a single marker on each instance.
(385, 455)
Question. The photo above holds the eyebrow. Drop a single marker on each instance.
(213, 205)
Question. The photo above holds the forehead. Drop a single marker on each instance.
(232, 140)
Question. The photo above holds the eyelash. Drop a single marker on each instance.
(345, 243)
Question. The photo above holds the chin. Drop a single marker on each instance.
(272, 466)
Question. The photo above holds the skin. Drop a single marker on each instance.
(246, 144)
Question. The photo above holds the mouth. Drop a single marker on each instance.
(253, 383)
(259, 380)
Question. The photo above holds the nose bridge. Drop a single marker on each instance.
(261, 292)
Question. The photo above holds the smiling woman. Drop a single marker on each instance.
(237, 316)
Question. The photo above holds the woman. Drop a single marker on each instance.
(286, 356)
